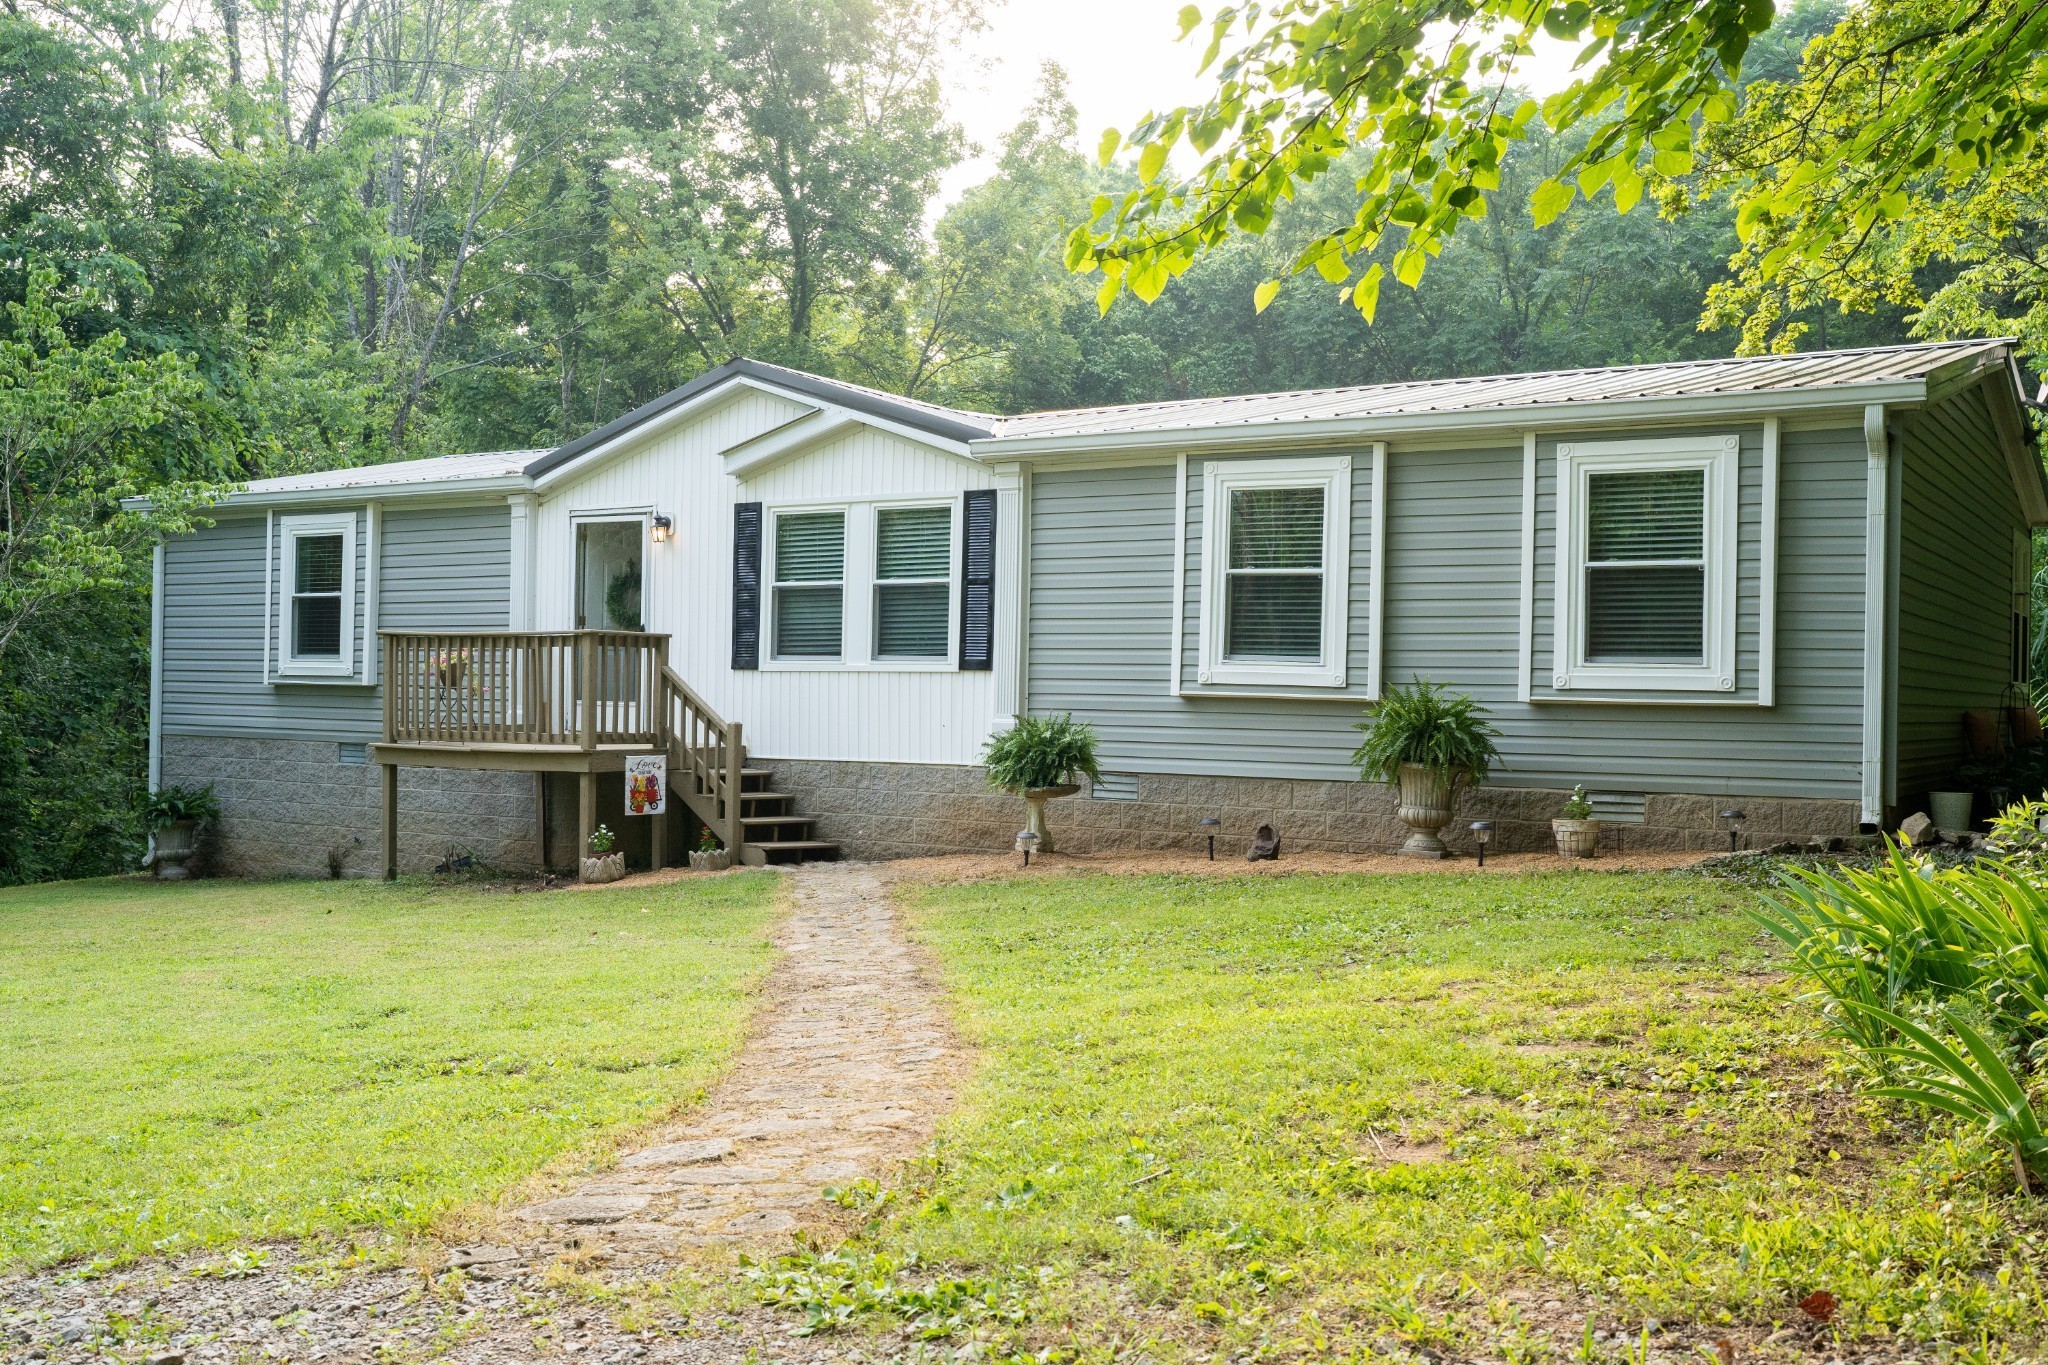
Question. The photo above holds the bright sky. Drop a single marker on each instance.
(1121, 60)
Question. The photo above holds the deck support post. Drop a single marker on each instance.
(540, 819)
(586, 814)
(734, 832)
(390, 821)
(657, 839)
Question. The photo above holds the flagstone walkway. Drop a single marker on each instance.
(850, 1063)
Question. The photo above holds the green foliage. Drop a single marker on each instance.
(1902, 940)
(836, 1289)
(1040, 751)
(601, 840)
(1424, 723)
(168, 805)
(428, 1047)
(1578, 807)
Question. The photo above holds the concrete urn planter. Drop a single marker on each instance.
(717, 860)
(1034, 806)
(1425, 808)
(175, 844)
(1576, 838)
(605, 867)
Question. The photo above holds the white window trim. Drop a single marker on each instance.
(930, 662)
(1220, 478)
(290, 529)
(857, 584)
(1719, 457)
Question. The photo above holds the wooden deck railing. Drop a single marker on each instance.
(573, 689)
(579, 689)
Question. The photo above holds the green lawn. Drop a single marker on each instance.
(185, 1065)
(1295, 1115)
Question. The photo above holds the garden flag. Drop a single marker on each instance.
(646, 784)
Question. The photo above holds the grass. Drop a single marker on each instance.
(199, 1064)
(1488, 1116)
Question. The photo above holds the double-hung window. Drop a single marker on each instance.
(914, 582)
(316, 626)
(1647, 564)
(810, 585)
(1276, 559)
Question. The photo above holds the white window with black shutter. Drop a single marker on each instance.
(895, 586)
(1276, 538)
(316, 607)
(1647, 564)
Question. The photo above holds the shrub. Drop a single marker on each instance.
(1446, 732)
(168, 805)
(1040, 751)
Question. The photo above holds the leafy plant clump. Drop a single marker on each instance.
(1578, 808)
(167, 805)
(1426, 724)
(602, 839)
(1938, 981)
(1041, 751)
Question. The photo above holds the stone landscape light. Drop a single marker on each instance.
(1482, 830)
(1210, 824)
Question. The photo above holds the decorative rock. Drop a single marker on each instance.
(1265, 846)
(1918, 830)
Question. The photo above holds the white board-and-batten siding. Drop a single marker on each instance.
(1101, 597)
(828, 711)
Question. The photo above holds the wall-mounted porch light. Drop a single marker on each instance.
(663, 529)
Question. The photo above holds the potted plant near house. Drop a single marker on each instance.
(1576, 831)
(1426, 742)
(604, 863)
(1041, 757)
(709, 855)
(174, 815)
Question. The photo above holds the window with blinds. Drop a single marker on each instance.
(810, 584)
(1646, 566)
(913, 582)
(1273, 600)
(316, 596)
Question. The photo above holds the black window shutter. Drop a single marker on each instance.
(978, 581)
(746, 585)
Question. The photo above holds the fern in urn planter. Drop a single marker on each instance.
(1038, 758)
(1426, 741)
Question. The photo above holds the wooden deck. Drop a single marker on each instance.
(576, 701)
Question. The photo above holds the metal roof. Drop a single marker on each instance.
(485, 464)
(1813, 370)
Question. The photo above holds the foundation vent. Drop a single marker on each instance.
(352, 755)
(1617, 808)
(1116, 787)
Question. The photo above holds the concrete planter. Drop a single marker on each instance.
(1576, 838)
(1951, 810)
(1425, 808)
(605, 867)
(175, 843)
(717, 860)
(1034, 806)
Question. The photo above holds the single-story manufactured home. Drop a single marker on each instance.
(1773, 584)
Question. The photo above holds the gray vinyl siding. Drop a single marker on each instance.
(445, 567)
(1958, 514)
(1100, 608)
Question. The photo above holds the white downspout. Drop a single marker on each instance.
(1876, 539)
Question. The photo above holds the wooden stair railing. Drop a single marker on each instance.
(706, 760)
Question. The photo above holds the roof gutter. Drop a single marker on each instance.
(1848, 398)
(358, 493)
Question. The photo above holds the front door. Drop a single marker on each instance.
(608, 559)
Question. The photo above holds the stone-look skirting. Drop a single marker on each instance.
(289, 806)
(905, 810)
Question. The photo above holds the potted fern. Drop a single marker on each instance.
(1576, 831)
(174, 815)
(1041, 757)
(1425, 742)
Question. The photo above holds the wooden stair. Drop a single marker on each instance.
(772, 828)
(759, 824)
